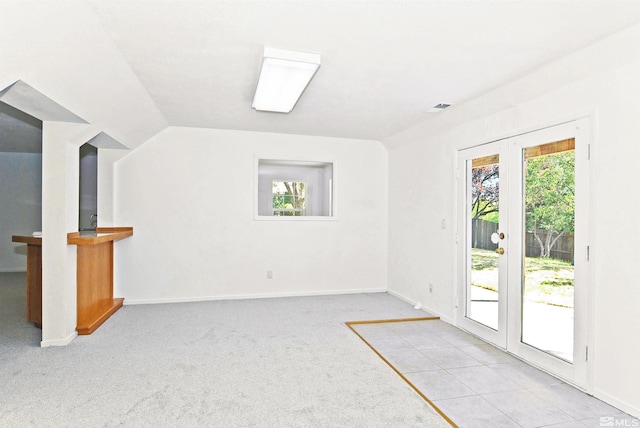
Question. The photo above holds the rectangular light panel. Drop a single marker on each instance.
(283, 78)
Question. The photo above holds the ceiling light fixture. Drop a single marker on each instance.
(283, 78)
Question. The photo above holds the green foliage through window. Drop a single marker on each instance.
(288, 198)
(550, 197)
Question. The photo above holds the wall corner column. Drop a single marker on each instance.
(60, 188)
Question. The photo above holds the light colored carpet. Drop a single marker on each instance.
(287, 362)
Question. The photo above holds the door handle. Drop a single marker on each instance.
(500, 250)
(496, 237)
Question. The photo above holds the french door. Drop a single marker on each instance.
(523, 247)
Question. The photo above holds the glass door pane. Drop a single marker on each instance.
(548, 256)
(483, 212)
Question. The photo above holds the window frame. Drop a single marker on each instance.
(294, 160)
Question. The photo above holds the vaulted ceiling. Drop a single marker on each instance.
(384, 63)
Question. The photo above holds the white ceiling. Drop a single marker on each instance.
(384, 63)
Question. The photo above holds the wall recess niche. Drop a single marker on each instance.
(291, 189)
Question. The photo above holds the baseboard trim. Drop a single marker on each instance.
(625, 407)
(130, 301)
(13, 270)
(426, 309)
(59, 342)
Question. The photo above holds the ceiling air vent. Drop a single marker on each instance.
(438, 108)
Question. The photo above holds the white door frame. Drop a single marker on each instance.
(575, 372)
(509, 331)
(499, 337)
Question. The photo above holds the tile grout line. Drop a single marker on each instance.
(481, 395)
(424, 397)
(459, 347)
(420, 393)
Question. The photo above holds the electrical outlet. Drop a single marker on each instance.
(430, 288)
(269, 274)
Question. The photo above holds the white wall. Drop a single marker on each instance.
(421, 189)
(189, 195)
(420, 200)
(20, 205)
(106, 165)
(60, 194)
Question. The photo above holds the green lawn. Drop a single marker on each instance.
(546, 280)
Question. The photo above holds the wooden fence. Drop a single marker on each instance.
(481, 231)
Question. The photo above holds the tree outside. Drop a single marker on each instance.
(549, 188)
(288, 198)
(550, 198)
(485, 192)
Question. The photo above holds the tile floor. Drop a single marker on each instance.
(478, 385)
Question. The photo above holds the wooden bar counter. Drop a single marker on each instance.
(95, 275)
(34, 277)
